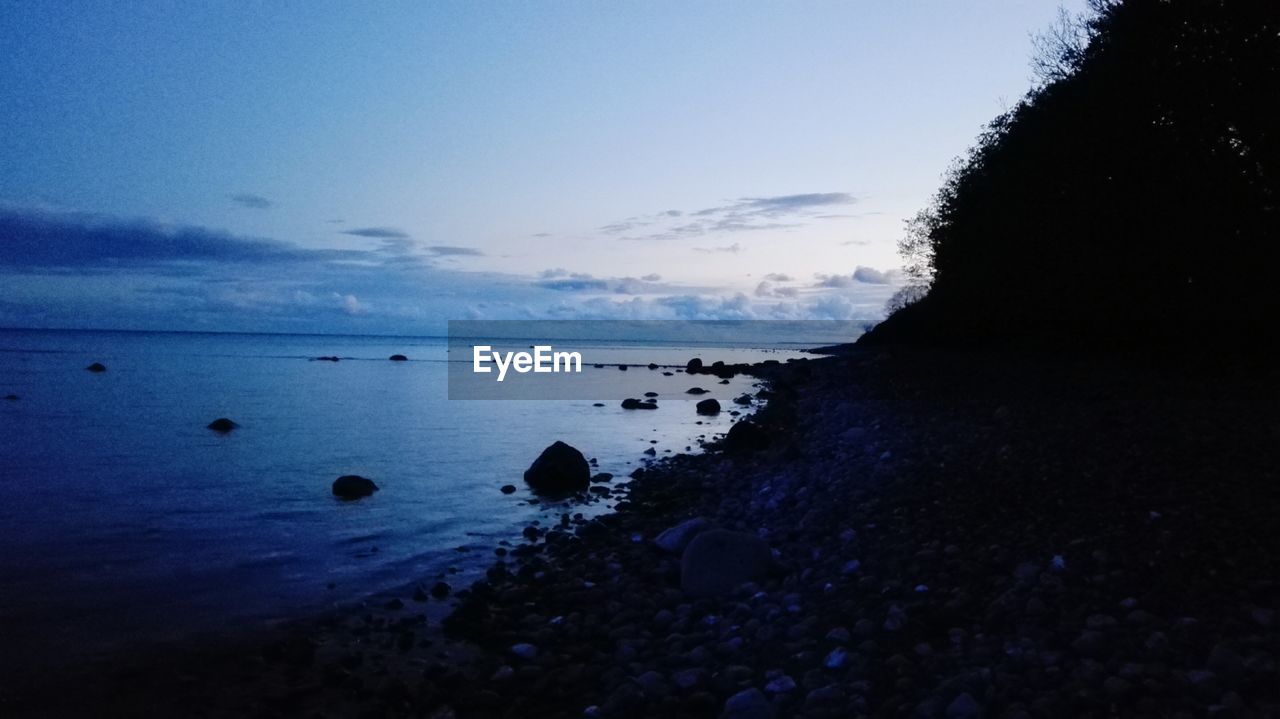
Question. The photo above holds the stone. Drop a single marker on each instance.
(964, 707)
(708, 407)
(527, 652)
(747, 704)
(353, 486)
(222, 424)
(559, 469)
(633, 403)
(508, 489)
(696, 390)
(675, 539)
(717, 561)
(745, 436)
(96, 367)
(398, 358)
(693, 366)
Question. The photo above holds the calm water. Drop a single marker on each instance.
(125, 520)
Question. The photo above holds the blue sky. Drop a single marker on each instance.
(384, 167)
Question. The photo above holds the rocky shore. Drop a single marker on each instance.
(947, 535)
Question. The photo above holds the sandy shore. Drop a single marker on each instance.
(955, 535)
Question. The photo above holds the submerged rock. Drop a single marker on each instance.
(97, 367)
(353, 486)
(717, 561)
(398, 358)
(12, 397)
(327, 358)
(222, 424)
(709, 407)
(508, 489)
(559, 469)
(696, 390)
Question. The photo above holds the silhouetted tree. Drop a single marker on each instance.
(1131, 197)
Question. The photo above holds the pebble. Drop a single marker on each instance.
(525, 651)
(747, 704)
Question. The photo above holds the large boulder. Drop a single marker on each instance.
(676, 538)
(694, 366)
(745, 436)
(560, 469)
(717, 561)
(353, 486)
(709, 407)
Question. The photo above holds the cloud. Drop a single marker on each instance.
(778, 277)
(454, 251)
(872, 276)
(86, 242)
(86, 270)
(351, 304)
(575, 285)
(735, 248)
(378, 232)
(833, 281)
(561, 280)
(252, 201)
(746, 214)
(789, 204)
(768, 289)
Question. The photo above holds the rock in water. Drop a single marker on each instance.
(709, 407)
(717, 561)
(222, 424)
(96, 367)
(633, 403)
(694, 366)
(676, 538)
(696, 390)
(352, 486)
(398, 358)
(12, 397)
(559, 469)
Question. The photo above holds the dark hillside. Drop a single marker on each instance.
(1132, 199)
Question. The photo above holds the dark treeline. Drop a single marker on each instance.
(1130, 199)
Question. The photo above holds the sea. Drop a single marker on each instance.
(126, 521)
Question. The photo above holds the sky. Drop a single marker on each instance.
(385, 167)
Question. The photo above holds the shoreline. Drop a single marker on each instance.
(956, 534)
